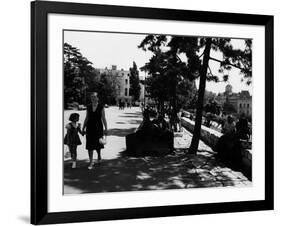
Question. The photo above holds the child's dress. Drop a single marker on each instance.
(72, 138)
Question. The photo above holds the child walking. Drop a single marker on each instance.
(71, 138)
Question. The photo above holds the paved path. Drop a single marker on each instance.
(117, 173)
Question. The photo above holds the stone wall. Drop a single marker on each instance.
(211, 137)
(208, 135)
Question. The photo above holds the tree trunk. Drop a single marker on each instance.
(199, 106)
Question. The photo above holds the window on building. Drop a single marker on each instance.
(248, 105)
(126, 92)
(126, 81)
(240, 105)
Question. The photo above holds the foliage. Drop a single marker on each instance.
(212, 107)
(167, 72)
(77, 71)
(107, 88)
(194, 48)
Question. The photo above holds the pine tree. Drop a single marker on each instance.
(134, 82)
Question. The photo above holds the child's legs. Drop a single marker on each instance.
(99, 154)
(73, 152)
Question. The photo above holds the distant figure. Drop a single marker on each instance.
(222, 119)
(228, 147)
(179, 116)
(242, 127)
(120, 105)
(229, 126)
(175, 118)
(142, 106)
(208, 119)
(71, 138)
(93, 125)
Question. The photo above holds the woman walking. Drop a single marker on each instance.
(93, 127)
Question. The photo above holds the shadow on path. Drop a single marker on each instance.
(128, 116)
(133, 121)
(150, 173)
(136, 114)
(120, 132)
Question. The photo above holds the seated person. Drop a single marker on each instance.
(146, 127)
(163, 133)
(160, 123)
(150, 137)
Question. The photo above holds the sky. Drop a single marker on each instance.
(106, 49)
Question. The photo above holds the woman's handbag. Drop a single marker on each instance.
(103, 140)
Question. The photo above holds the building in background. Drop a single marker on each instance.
(240, 102)
(122, 83)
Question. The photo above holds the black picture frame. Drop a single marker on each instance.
(39, 112)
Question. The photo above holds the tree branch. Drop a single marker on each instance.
(211, 58)
(201, 55)
(178, 58)
(214, 75)
(211, 71)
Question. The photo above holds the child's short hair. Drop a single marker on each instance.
(73, 117)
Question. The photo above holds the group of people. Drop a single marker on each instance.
(123, 104)
(175, 118)
(241, 127)
(174, 115)
(94, 127)
(155, 130)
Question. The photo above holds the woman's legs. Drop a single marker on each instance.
(90, 153)
(99, 155)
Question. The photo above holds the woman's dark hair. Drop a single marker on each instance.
(73, 117)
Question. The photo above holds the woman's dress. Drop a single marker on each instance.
(94, 128)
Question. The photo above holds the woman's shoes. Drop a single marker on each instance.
(90, 166)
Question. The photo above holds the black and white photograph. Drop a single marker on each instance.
(155, 112)
(141, 112)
